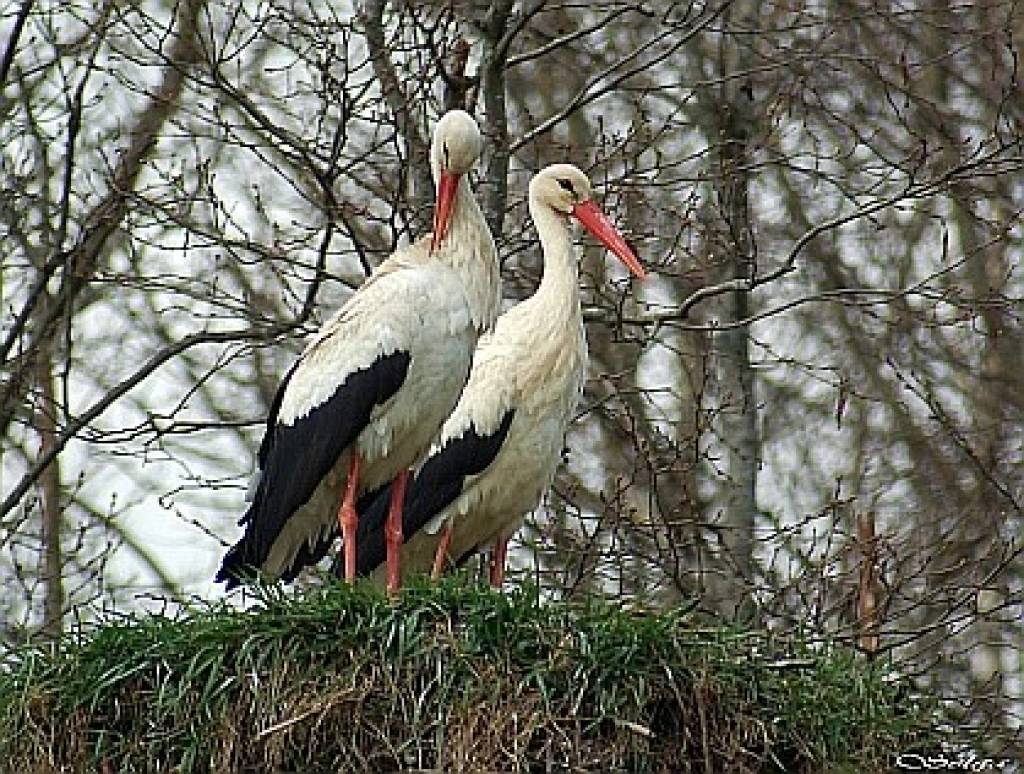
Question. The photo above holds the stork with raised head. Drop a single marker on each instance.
(498, 451)
(370, 392)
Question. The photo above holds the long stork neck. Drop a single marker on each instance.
(469, 250)
(559, 290)
(557, 363)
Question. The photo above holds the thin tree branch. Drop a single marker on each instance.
(492, 85)
(942, 416)
(104, 220)
(100, 406)
(12, 41)
(417, 149)
(555, 43)
(589, 92)
(912, 191)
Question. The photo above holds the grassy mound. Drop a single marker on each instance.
(453, 678)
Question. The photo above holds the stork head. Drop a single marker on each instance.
(566, 190)
(454, 151)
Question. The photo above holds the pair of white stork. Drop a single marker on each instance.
(417, 360)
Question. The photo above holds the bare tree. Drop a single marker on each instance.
(811, 416)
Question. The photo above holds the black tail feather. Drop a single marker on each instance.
(436, 486)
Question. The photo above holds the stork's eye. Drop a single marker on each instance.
(567, 185)
(445, 149)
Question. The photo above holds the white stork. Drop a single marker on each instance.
(368, 395)
(498, 451)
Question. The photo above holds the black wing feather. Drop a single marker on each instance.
(295, 458)
(435, 487)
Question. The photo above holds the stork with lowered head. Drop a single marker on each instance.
(369, 393)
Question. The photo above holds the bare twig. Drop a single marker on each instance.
(492, 85)
(603, 82)
(417, 149)
(82, 260)
(97, 409)
(12, 41)
(913, 190)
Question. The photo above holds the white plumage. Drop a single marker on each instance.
(401, 429)
(498, 451)
(378, 379)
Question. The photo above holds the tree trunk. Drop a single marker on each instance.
(734, 410)
(51, 564)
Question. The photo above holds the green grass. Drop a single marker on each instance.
(452, 677)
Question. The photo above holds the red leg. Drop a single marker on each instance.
(348, 518)
(393, 531)
(441, 557)
(498, 561)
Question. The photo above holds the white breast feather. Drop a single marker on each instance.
(392, 312)
(540, 378)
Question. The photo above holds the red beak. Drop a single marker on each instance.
(595, 221)
(443, 209)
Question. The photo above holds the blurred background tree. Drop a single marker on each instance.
(810, 418)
